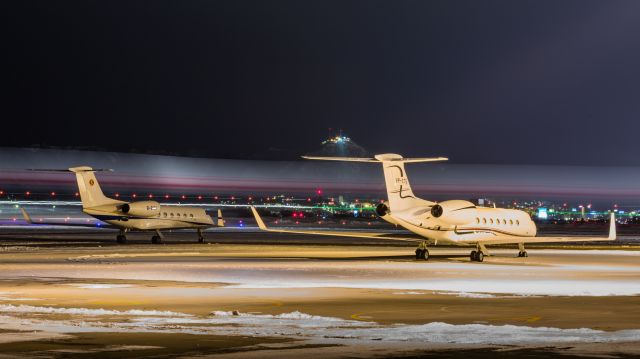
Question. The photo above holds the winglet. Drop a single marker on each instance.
(612, 227)
(26, 216)
(259, 220)
(220, 220)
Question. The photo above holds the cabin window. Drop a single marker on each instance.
(484, 220)
(517, 222)
(178, 214)
(504, 221)
(491, 220)
(191, 215)
(497, 221)
(171, 214)
(511, 222)
(477, 220)
(184, 214)
(164, 214)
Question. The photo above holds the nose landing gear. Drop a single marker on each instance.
(522, 252)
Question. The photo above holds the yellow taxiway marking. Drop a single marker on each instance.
(358, 316)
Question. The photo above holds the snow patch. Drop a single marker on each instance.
(8, 308)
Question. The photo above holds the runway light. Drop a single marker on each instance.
(215, 197)
(117, 195)
(134, 195)
(319, 192)
(199, 197)
(76, 194)
(183, 197)
(53, 193)
(150, 195)
(1, 193)
(28, 193)
(166, 196)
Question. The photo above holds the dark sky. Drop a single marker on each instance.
(534, 82)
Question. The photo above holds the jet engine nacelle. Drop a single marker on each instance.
(455, 212)
(142, 208)
(382, 210)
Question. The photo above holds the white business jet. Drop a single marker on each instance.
(452, 222)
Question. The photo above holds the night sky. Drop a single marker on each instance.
(509, 82)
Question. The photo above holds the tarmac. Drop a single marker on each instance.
(75, 293)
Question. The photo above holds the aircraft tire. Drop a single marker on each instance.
(156, 240)
(472, 256)
(121, 239)
(425, 254)
(479, 256)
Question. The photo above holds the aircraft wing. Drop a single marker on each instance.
(371, 235)
(516, 240)
(28, 219)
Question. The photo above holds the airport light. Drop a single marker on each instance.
(53, 194)
(134, 195)
(199, 197)
(150, 195)
(117, 195)
(28, 193)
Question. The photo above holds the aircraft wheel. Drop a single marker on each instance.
(121, 239)
(418, 253)
(472, 256)
(525, 254)
(425, 254)
(156, 240)
(200, 239)
(479, 256)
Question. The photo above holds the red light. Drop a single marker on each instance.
(166, 196)
(76, 194)
(250, 198)
(199, 197)
(183, 197)
(117, 194)
(1, 193)
(295, 215)
(134, 195)
(233, 198)
(319, 192)
(53, 193)
(150, 195)
(216, 198)
(297, 222)
(28, 193)
(308, 199)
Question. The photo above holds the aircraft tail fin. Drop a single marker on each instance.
(399, 189)
(89, 188)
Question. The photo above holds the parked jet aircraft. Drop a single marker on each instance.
(139, 215)
(452, 222)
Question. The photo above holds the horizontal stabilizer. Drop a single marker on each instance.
(378, 158)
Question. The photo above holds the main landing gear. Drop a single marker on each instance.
(200, 236)
(479, 254)
(157, 239)
(422, 252)
(522, 252)
(121, 238)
